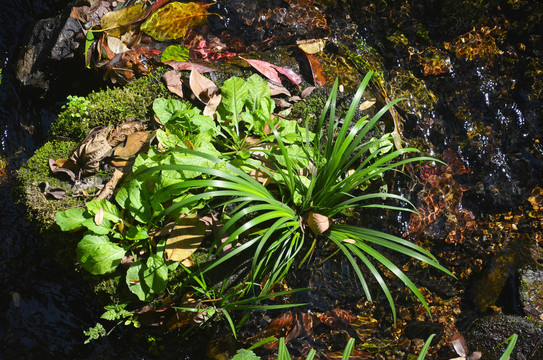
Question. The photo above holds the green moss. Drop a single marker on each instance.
(112, 106)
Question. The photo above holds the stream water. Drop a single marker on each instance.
(479, 106)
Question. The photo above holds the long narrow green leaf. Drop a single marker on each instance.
(510, 347)
(348, 349)
(424, 349)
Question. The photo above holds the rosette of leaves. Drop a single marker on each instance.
(272, 222)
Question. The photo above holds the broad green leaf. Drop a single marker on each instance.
(138, 206)
(234, 94)
(168, 140)
(173, 20)
(98, 255)
(134, 281)
(165, 108)
(258, 89)
(175, 53)
(115, 23)
(103, 229)
(243, 354)
(155, 274)
(122, 197)
(71, 219)
(297, 156)
(137, 233)
(111, 212)
(115, 312)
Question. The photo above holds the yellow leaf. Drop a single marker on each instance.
(173, 20)
(311, 46)
(185, 238)
(115, 23)
(318, 223)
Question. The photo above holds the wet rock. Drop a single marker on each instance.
(49, 51)
(487, 333)
(531, 291)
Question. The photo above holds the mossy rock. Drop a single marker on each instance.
(112, 106)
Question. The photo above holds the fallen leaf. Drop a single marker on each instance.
(367, 104)
(99, 217)
(173, 82)
(92, 150)
(265, 68)
(307, 91)
(185, 238)
(116, 45)
(134, 144)
(175, 53)
(290, 74)
(460, 344)
(173, 20)
(212, 105)
(56, 169)
(316, 70)
(277, 89)
(318, 223)
(185, 65)
(349, 241)
(115, 23)
(121, 131)
(311, 46)
(202, 87)
(56, 193)
(80, 13)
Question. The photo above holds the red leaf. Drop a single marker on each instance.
(290, 74)
(265, 68)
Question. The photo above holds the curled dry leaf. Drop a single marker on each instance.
(276, 89)
(99, 217)
(58, 169)
(318, 223)
(92, 150)
(307, 91)
(203, 88)
(55, 193)
(460, 344)
(212, 105)
(173, 82)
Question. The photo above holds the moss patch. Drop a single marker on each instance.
(112, 106)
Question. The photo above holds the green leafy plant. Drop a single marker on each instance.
(274, 222)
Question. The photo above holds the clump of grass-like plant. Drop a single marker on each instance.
(272, 221)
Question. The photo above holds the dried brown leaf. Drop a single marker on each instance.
(318, 223)
(212, 105)
(92, 150)
(56, 169)
(307, 91)
(460, 344)
(185, 238)
(367, 104)
(316, 70)
(110, 186)
(185, 65)
(134, 144)
(173, 82)
(99, 217)
(202, 87)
